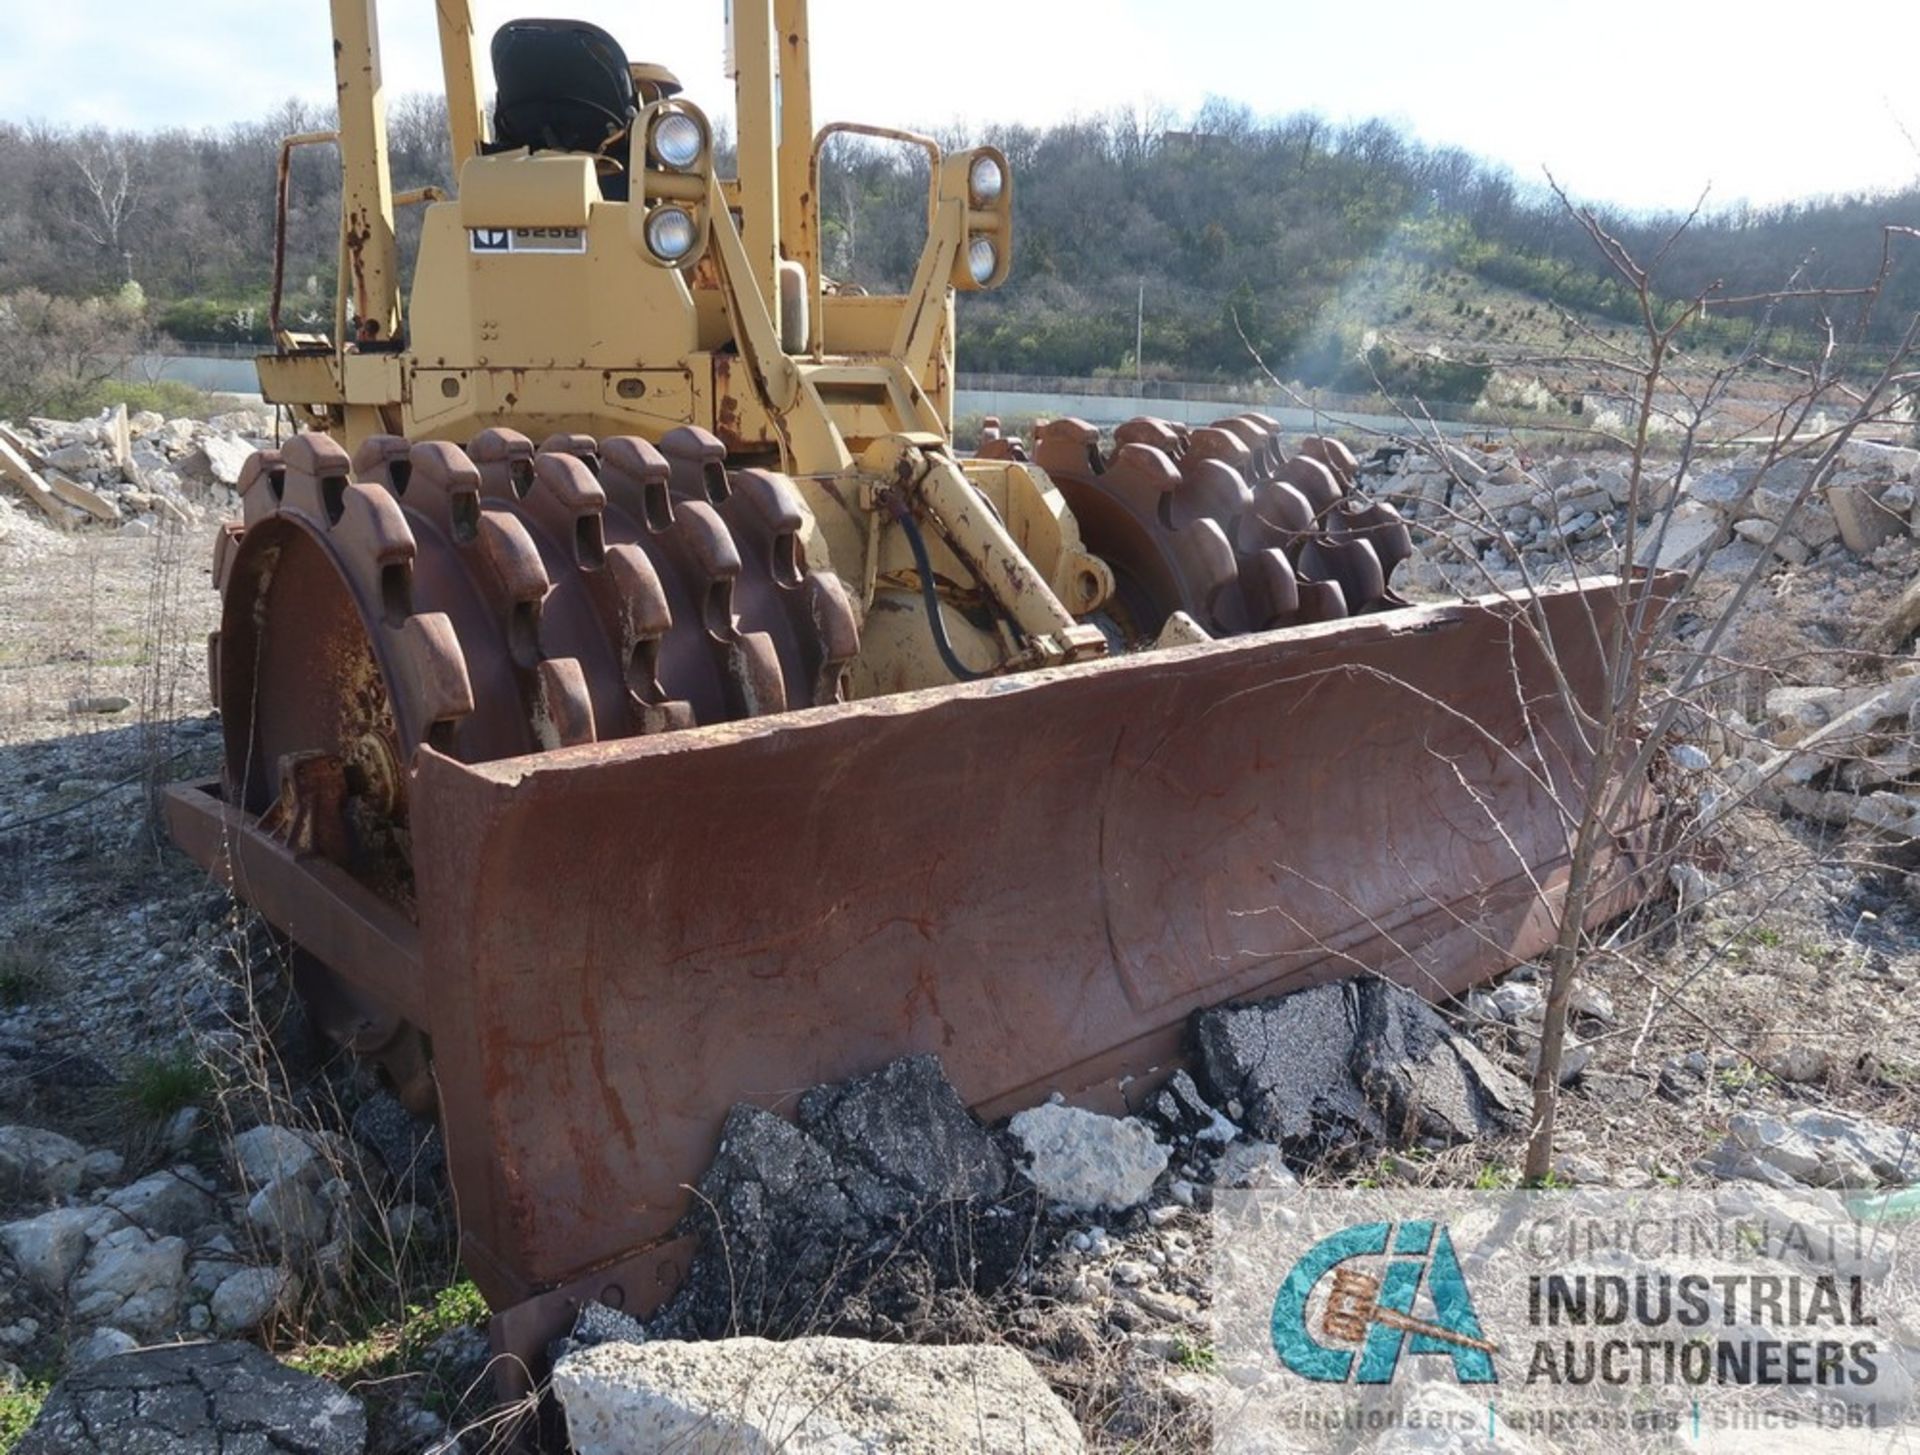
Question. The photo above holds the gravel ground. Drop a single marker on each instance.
(101, 920)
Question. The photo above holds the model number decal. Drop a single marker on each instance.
(529, 239)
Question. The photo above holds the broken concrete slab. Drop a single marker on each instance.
(1683, 538)
(15, 470)
(1797, 711)
(1733, 562)
(1088, 1162)
(1889, 813)
(1770, 537)
(1722, 490)
(73, 493)
(196, 1399)
(1815, 1148)
(226, 457)
(1865, 524)
(1836, 740)
(808, 1397)
(116, 433)
(1892, 462)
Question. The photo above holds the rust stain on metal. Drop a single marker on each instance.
(359, 233)
(726, 421)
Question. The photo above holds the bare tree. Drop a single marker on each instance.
(109, 194)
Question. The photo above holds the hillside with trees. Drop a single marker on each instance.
(1227, 225)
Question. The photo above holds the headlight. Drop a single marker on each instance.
(671, 233)
(983, 260)
(987, 180)
(678, 140)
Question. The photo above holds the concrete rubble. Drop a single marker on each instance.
(1085, 1161)
(1487, 519)
(885, 1184)
(1355, 1063)
(1838, 752)
(133, 474)
(808, 1397)
(1815, 1148)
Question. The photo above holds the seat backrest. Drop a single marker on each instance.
(563, 85)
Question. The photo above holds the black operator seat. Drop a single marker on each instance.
(563, 85)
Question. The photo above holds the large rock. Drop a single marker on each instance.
(1890, 1154)
(1888, 462)
(1497, 499)
(39, 1164)
(47, 1249)
(290, 1215)
(1865, 522)
(267, 1153)
(1616, 482)
(1733, 563)
(408, 1147)
(250, 1297)
(166, 1202)
(1769, 537)
(1816, 524)
(1462, 465)
(1795, 712)
(226, 456)
(1086, 1161)
(1360, 1059)
(1842, 736)
(199, 1399)
(1722, 490)
(809, 1397)
(132, 1281)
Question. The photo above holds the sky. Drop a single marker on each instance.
(1643, 105)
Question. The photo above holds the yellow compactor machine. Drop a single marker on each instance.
(634, 705)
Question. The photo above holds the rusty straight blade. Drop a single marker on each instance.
(1037, 878)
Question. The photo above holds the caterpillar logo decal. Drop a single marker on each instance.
(529, 239)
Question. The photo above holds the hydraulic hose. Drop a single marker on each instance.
(924, 565)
